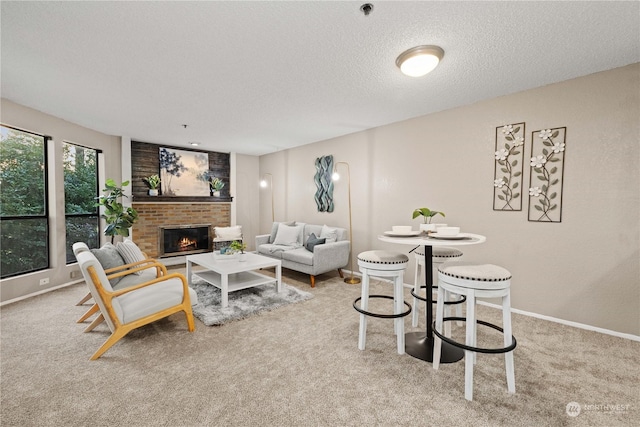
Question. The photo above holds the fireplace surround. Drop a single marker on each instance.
(174, 240)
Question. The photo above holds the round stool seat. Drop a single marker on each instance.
(383, 260)
(440, 252)
(474, 275)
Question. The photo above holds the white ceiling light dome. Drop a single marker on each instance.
(419, 60)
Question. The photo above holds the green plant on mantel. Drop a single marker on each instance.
(153, 182)
(216, 184)
(427, 213)
(119, 219)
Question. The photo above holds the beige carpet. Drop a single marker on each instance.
(299, 366)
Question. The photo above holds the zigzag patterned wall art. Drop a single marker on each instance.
(324, 194)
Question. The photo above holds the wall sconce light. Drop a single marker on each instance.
(336, 176)
(264, 184)
(419, 60)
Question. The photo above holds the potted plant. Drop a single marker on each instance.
(238, 246)
(216, 186)
(428, 215)
(119, 219)
(153, 182)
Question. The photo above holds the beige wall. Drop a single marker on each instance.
(585, 269)
(16, 115)
(246, 197)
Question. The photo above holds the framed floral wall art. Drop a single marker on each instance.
(509, 160)
(547, 174)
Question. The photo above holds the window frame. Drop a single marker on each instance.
(97, 194)
(45, 215)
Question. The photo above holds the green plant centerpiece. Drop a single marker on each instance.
(118, 218)
(427, 215)
(237, 246)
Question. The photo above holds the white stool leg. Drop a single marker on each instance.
(508, 357)
(437, 342)
(416, 290)
(364, 304)
(447, 313)
(470, 341)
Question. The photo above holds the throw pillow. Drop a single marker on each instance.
(229, 233)
(109, 257)
(130, 253)
(288, 235)
(312, 242)
(274, 229)
(331, 234)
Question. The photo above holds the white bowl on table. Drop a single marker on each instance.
(401, 229)
(448, 231)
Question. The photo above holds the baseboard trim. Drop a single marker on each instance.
(44, 291)
(566, 322)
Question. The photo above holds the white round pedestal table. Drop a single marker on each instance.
(420, 344)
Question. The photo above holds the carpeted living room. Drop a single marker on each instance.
(209, 208)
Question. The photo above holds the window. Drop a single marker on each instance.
(23, 202)
(82, 220)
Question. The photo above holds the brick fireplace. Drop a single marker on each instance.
(152, 216)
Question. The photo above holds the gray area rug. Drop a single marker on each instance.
(242, 303)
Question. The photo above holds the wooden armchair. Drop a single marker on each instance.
(129, 308)
(127, 280)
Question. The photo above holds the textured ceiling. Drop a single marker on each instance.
(257, 77)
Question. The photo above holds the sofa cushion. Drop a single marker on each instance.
(229, 233)
(274, 229)
(329, 233)
(300, 255)
(109, 257)
(271, 250)
(313, 241)
(289, 235)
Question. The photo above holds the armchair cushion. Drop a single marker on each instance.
(109, 257)
(130, 253)
(148, 300)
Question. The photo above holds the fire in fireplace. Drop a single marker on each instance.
(184, 239)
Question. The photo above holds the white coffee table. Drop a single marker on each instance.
(233, 275)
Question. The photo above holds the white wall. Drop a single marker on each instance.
(60, 130)
(585, 269)
(246, 197)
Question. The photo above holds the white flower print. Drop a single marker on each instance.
(545, 134)
(499, 183)
(534, 191)
(502, 154)
(518, 141)
(507, 129)
(558, 147)
(538, 161)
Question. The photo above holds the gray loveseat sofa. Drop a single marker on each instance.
(322, 258)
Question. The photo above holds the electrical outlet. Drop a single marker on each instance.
(44, 281)
(75, 274)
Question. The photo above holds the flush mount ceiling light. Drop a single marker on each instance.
(419, 60)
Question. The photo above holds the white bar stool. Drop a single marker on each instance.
(388, 265)
(439, 255)
(475, 281)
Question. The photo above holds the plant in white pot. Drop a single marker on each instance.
(153, 182)
(427, 215)
(216, 186)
